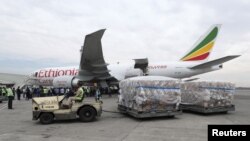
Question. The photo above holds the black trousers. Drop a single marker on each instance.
(10, 102)
(18, 96)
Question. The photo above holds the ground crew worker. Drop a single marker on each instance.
(45, 91)
(4, 92)
(10, 97)
(78, 96)
(98, 95)
(62, 91)
(88, 91)
(18, 91)
(14, 93)
(28, 94)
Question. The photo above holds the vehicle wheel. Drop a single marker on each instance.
(46, 118)
(87, 114)
(0, 101)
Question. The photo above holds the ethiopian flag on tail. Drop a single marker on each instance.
(203, 47)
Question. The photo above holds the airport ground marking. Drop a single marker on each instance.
(4, 106)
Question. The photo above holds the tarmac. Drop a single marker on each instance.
(17, 124)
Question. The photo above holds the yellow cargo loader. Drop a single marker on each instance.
(48, 109)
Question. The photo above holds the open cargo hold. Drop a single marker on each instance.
(207, 97)
(149, 96)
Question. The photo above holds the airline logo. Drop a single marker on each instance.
(56, 72)
(202, 50)
(157, 67)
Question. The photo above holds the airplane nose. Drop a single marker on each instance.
(33, 74)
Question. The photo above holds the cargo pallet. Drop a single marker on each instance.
(206, 110)
(169, 112)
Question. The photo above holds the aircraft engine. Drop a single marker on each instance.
(65, 81)
(217, 67)
(133, 73)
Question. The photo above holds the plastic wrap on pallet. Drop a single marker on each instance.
(149, 93)
(207, 94)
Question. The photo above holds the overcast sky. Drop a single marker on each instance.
(50, 33)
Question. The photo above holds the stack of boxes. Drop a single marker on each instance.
(207, 94)
(147, 94)
(152, 94)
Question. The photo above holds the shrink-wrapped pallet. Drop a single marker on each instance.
(207, 94)
(149, 93)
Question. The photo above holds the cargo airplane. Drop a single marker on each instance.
(93, 67)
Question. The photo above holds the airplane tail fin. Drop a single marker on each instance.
(203, 47)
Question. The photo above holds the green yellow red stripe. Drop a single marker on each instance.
(203, 49)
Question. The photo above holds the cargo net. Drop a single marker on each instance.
(150, 95)
(207, 94)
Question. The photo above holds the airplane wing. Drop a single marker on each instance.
(214, 62)
(92, 63)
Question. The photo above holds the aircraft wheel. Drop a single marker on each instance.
(87, 114)
(46, 118)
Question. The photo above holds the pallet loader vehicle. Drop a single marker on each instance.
(48, 109)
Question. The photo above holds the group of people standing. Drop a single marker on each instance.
(40, 91)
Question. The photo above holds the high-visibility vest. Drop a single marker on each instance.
(9, 92)
(45, 90)
(3, 91)
(79, 94)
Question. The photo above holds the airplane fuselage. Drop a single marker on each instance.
(178, 70)
(94, 68)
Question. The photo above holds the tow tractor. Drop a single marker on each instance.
(48, 109)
